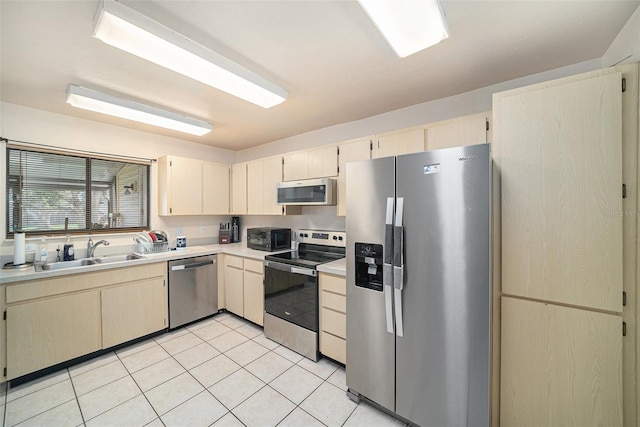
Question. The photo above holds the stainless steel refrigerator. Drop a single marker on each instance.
(418, 285)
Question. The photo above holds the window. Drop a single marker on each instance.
(52, 193)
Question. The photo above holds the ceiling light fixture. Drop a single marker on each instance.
(409, 26)
(92, 100)
(139, 35)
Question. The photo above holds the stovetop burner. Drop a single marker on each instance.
(315, 248)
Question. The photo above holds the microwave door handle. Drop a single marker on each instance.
(398, 265)
(387, 267)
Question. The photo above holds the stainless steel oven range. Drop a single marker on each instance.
(291, 290)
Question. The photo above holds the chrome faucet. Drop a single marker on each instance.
(91, 247)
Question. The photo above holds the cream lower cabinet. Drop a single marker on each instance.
(561, 366)
(333, 318)
(50, 331)
(51, 321)
(244, 289)
(133, 310)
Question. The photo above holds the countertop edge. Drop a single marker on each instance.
(337, 267)
(238, 249)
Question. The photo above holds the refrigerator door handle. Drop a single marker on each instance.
(387, 268)
(398, 264)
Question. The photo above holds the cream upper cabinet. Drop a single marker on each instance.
(192, 187)
(349, 151)
(399, 142)
(466, 130)
(296, 166)
(179, 186)
(318, 162)
(215, 188)
(262, 178)
(239, 189)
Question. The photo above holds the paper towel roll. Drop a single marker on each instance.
(18, 248)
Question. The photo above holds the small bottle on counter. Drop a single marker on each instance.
(43, 252)
(67, 251)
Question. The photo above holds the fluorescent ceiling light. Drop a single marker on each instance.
(139, 35)
(92, 100)
(408, 25)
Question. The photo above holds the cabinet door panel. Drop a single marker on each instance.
(186, 186)
(234, 290)
(132, 311)
(561, 174)
(239, 188)
(323, 161)
(255, 187)
(253, 297)
(215, 189)
(559, 366)
(411, 141)
(349, 152)
(46, 332)
(468, 130)
(272, 176)
(296, 166)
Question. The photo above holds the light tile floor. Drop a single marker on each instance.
(222, 371)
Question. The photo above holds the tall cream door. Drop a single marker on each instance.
(350, 151)
(558, 154)
(186, 186)
(239, 189)
(466, 130)
(561, 171)
(215, 188)
(561, 366)
(255, 187)
(402, 142)
(133, 310)
(45, 332)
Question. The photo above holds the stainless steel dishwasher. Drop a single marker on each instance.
(193, 289)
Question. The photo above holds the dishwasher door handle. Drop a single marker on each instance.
(189, 266)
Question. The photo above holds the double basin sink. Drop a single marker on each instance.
(61, 265)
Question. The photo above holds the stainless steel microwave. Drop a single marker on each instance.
(321, 191)
(269, 238)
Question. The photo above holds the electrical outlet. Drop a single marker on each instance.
(203, 229)
(179, 231)
(30, 247)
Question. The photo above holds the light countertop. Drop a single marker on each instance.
(239, 249)
(337, 267)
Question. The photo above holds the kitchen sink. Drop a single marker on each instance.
(115, 258)
(51, 266)
(65, 264)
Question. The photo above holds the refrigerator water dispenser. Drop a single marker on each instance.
(368, 266)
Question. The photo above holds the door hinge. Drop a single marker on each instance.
(624, 191)
(283, 160)
(486, 121)
(338, 169)
(164, 283)
(165, 321)
(4, 315)
(624, 299)
(170, 210)
(624, 84)
(624, 329)
(338, 148)
(370, 145)
(170, 163)
(283, 210)
(4, 371)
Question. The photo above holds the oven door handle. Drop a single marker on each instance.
(290, 269)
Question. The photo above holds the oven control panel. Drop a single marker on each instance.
(321, 237)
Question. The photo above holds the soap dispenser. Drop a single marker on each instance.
(43, 252)
(67, 253)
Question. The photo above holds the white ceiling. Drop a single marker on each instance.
(327, 54)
